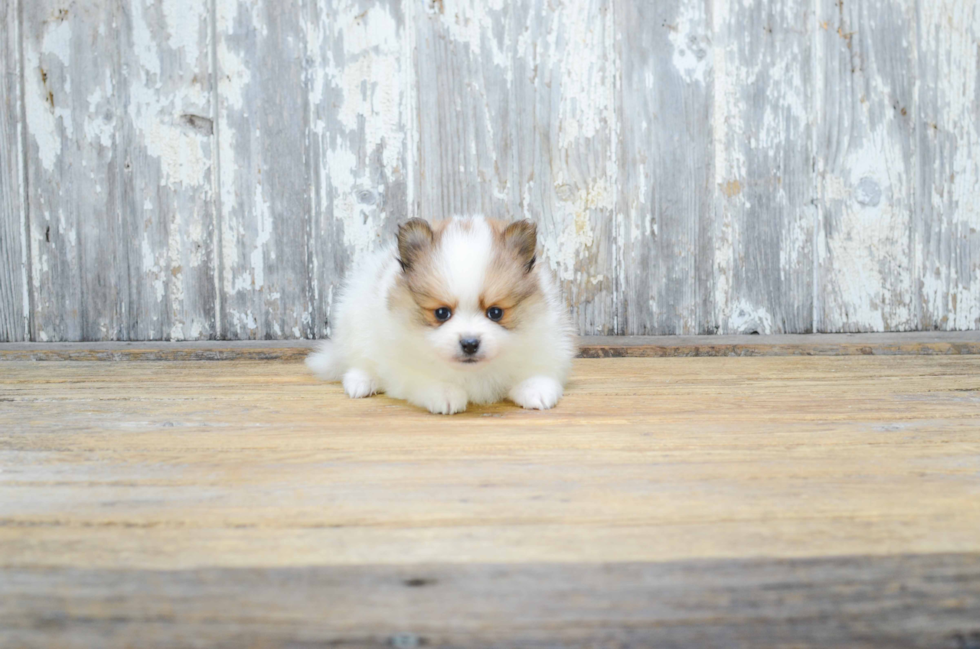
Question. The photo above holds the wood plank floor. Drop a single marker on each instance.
(669, 502)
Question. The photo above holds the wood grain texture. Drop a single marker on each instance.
(865, 165)
(763, 231)
(666, 502)
(362, 139)
(117, 102)
(947, 212)
(15, 308)
(78, 236)
(265, 173)
(517, 113)
(165, 146)
(927, 601)
(897, 344)
(665, 236)
(213, 169)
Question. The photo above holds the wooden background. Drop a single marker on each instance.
(182, 169)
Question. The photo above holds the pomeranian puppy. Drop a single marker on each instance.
(457, 312)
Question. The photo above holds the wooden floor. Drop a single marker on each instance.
(668, 502)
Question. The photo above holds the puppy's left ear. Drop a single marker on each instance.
(522, 237)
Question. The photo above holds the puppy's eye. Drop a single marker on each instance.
(495, 313)
(443, 313)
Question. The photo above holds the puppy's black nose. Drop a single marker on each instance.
(470, 345)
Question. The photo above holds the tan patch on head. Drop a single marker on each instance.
(419, 290)
(511, 283)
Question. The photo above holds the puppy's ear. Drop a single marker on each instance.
(522, 238)
(414, 240)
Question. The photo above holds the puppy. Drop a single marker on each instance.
(458, 312)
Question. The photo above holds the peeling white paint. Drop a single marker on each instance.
(264, 234)
(183, 30)
(576, 211)
(747, 318)
(864, 256)
(182, 156)
(57, 42)
(362, 90)
(950, 274)
(100, 122)
(154, 111)
(152, 265)
(366, 79)
(48, 120)
(587, 107)
(234, 77)
(472, 22)
(692, 43)
(198, 331)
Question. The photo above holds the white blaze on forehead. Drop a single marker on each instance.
(463, 257)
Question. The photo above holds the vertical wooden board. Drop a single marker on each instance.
(864, 111)
(119, 162)
(565, 87)
(164, 139)
(70, 56)
(947, 200)
(14, 297)
(466, 116)
(517, 114)
(361, 136)
(763, 232)
(666, 176)
(264, 171)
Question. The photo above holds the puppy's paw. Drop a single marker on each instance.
(359, 384)
(536, 393)
(443, 400)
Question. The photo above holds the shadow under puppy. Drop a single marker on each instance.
(457, 312)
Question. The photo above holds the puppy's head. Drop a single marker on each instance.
(468, 285)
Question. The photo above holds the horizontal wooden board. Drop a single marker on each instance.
(747, 502)
(901, 344)
(926, 601)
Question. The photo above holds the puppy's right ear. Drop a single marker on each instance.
(414, 240)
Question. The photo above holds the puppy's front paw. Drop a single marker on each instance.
(359, 384)
(444, 400)
(536, 393)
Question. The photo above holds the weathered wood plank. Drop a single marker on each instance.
(665, 502)
(947, 200)
(865, 164)
(465, 95)
(14, 288)
(694, 166)
(898, 344)
(666, 167)
(907, 601)
(117, 102)
(901, 344)
(763, 234)
(362, 136)
(165, 140)
(517, 112)
(178, 465)
(266, 174)
(77, 234)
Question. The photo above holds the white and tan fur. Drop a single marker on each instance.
(388, 336)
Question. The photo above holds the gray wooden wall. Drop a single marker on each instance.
(188, 169)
